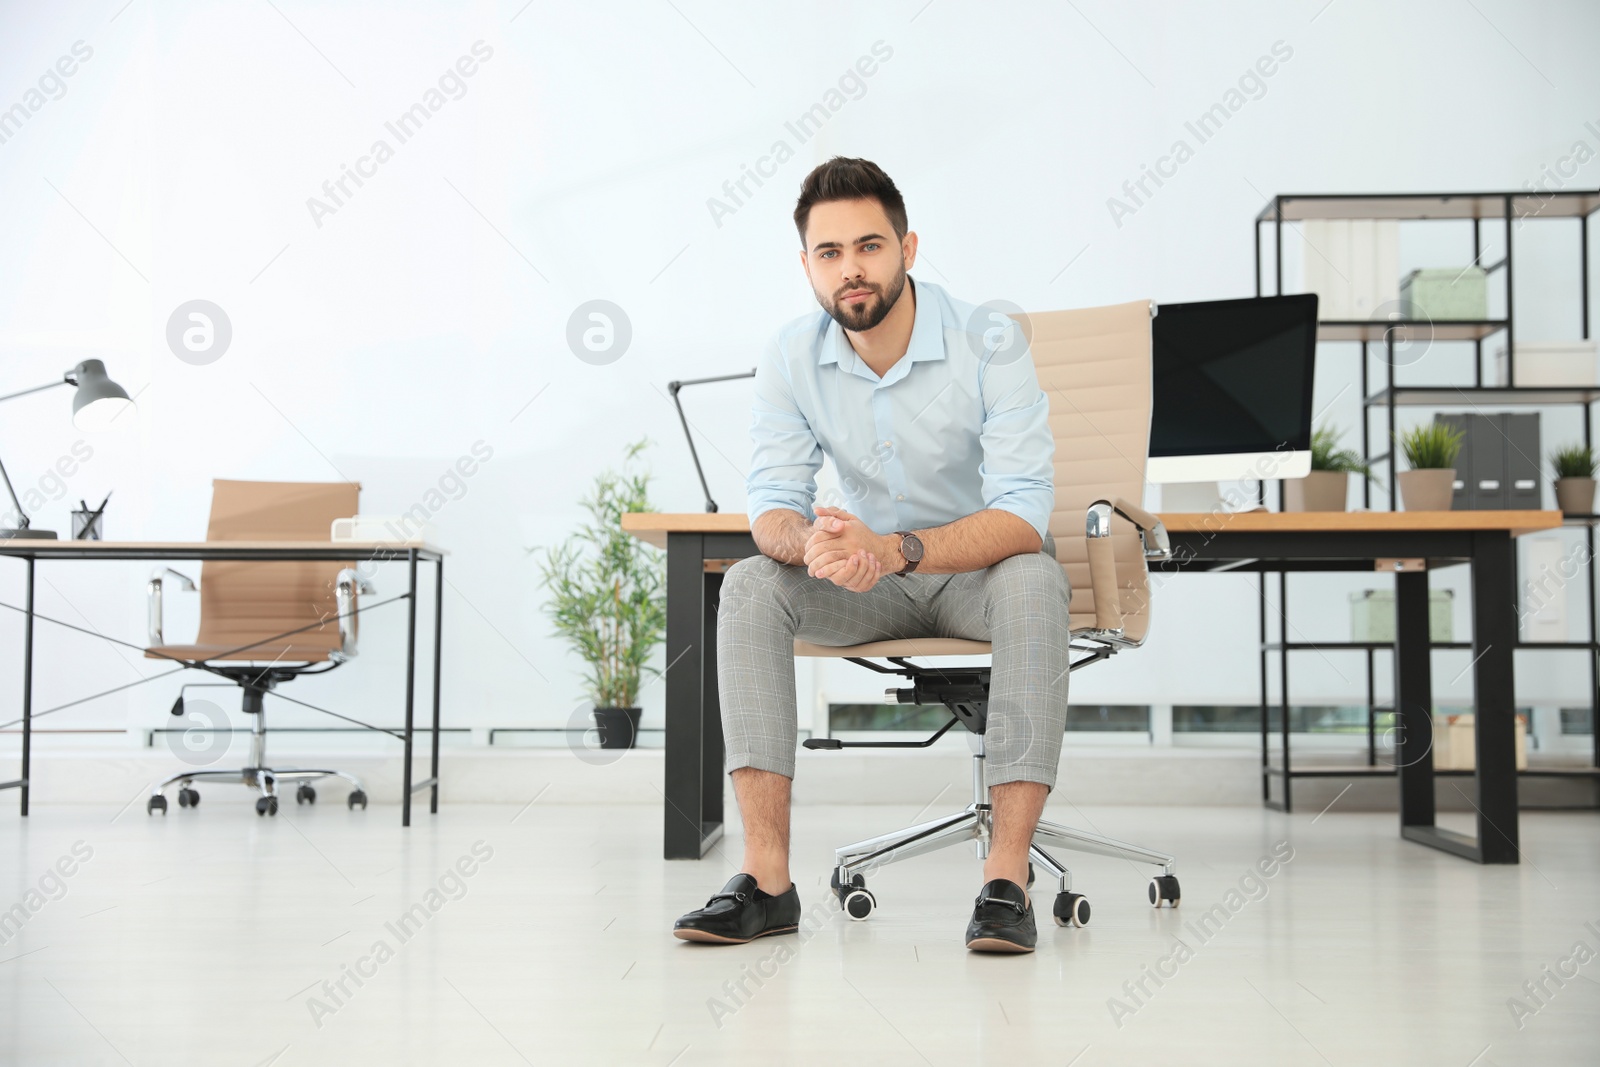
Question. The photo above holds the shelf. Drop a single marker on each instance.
(1298, 207)
(1496, 206)
(1378, 329)
(1473, 395)
(1324, 646)
(1363, 771)
(1388, 646)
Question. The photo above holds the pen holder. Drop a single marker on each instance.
(87, 525)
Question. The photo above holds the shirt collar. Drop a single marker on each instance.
(927, 336)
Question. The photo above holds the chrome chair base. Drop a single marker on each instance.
(263, 778)
(259, 776)
(975, 824)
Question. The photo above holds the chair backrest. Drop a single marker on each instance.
(1094, 366)
(245, 601)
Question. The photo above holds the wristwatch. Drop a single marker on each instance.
(911, 549)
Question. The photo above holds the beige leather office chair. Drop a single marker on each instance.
(1094, 366)
(246, 608)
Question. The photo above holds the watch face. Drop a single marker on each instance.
(911, 547)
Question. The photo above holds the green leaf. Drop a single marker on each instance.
(1431, 446)
(1574, 461)
(607, 587)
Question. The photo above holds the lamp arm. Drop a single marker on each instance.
(711, 505)
(22, 516)
(66, 379)
(672, 388)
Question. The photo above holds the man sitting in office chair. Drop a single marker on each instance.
(946, 435)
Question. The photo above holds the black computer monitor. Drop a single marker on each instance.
(1232, 382)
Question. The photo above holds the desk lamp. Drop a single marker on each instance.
(98, 402)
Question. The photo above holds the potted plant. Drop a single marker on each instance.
(1327, 487)
(1575, 466)
(607, 597)
(1431, 449)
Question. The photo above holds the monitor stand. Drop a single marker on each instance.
(1198, 497)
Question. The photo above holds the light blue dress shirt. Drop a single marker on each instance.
(958, 425)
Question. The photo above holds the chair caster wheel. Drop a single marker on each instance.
(1164, 887)
(188, 798)
(856, 898)
(357, 796)
(1071, 909)
(267, 806)
(859, 903)
(305, 795)
(155, 804)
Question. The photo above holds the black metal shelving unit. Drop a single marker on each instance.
(1510, 208)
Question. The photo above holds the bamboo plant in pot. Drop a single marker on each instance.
(1431, 450)
(607, 597)
(1575, 467)
(1327, 487)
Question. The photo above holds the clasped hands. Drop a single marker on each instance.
(848, 553)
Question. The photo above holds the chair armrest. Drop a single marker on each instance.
(153, 592)
(1102, 558)
(346, 588)
(1103, 568)
(1152, 532)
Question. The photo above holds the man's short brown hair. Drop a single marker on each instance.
(841, 178)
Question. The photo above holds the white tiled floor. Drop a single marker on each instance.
(202, 938)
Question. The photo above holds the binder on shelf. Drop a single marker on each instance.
(1489, 447)
(1498, 465)
(1523, 470)
(1461, 498)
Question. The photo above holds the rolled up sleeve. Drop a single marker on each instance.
(785, 454)
(1018, 468)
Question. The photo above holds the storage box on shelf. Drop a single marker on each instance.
(1439, 294)
(1557, 363)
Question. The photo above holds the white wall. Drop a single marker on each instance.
(429, 312)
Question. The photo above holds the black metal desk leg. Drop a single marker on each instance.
(1494, 634)
(27, 691)
(1413, 700)
(411, 683)
(1283, 687)
(438, 645)
(1261, 653)
(688, 828)
(712, 776)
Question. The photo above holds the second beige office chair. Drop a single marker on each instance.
(244, 608)
(1094, 366)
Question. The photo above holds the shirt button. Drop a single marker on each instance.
(888, 444)
(902, 496)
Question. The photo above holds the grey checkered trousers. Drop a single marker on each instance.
(1019, 605)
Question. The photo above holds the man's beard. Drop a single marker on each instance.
(865, 314)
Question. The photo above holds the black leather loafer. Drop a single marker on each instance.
(741, 913)
(1002, 919)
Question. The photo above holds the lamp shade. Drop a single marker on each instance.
(100, 400)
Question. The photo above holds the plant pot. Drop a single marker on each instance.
(1429, 489)
(619, 727)
(1317, 491)
(1575, 496)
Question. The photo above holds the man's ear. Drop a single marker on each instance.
(908, 248)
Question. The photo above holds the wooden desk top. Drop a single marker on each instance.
(1518, 522)
(173, 549)
(653, 527)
